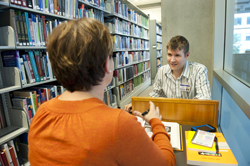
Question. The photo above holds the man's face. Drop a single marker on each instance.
(177, 59)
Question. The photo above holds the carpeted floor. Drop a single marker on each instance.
(146, 91)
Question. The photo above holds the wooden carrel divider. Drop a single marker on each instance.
(183, 111)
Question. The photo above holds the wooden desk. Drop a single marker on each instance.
(188, 112)
(183, 111)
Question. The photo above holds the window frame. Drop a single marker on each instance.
(236, 89)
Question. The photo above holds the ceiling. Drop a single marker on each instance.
(152, 7)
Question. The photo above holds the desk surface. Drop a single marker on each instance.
(181, 159)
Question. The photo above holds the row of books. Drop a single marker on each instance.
(159, 61)
(30, 29)
(158, 38)
(158, 29)
(129, 72)
(34, 66)
(159, 46)
(123, 10)
(90, 13)
(159, 53)
(125, 58)
(130, 85)
(109, 98)
(10, 154)
(125, 27)
(67, 8)
(98, 3)
(111, 85)
(30, 99)
(124, 43)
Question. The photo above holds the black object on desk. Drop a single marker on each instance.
(216, 145)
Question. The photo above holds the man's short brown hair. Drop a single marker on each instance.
(77, 51)
(178, 42)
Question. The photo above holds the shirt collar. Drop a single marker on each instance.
(185, 71)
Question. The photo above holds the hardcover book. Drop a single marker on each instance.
(225, 156)
(28, 68)
(34, 67)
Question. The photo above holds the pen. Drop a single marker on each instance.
(216, 145)
(145, 113)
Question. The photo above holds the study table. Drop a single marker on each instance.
(187, 112)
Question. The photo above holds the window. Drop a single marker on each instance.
(248, 37)
(248, 20)
(237, 42)
(237, 21)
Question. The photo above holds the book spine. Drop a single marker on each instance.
(23, 71)
(4, 157)
(31, 32)
(22, 29)
(29, 67)
(14, 26)
(41, 5)
(20, 38)
(5, 146)
(19, 2)
(28, 28)
(51, 6)
(49, 66)
(34, 67)
(38, 30)
(11, 143)
(12, 155)
(24, 3)
(37, 5)
(55, 6)
(39, 67)
(27, 37)
(59, 7)
(35, 29)
(66, 8)
(46, 6)
(34, 4)
(63, 8)
(43, 65)
(44, 29)
(29, 4)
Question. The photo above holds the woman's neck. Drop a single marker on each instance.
(96, 92)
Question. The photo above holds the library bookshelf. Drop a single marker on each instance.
(131, 52)
(155, 47)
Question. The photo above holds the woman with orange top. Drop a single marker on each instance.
(77, 128)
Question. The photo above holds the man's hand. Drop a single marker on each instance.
(128, 107)
(153, 113)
